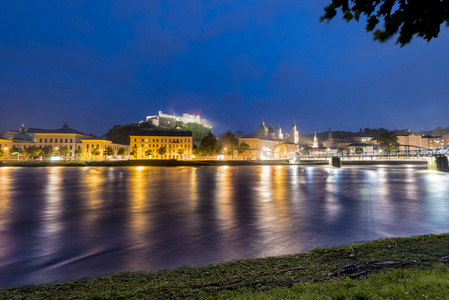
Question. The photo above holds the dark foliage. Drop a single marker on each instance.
(422, 18)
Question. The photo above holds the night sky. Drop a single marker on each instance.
(94, 64)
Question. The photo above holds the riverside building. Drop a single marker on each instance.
(58, 139)
(268, 144)
(161, 145)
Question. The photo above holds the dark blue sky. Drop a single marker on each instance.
(99, 63)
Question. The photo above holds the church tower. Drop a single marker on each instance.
(329, 135)
(315, 141)
(280, 135)
(294, 135)
(271, 133)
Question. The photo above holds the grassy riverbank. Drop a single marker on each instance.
(195, 163)
(400, 268)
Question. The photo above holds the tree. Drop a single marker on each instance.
(2, 153)
(243, 148)
(388, 141)
(133, 152)
(209, 144)
(148, 152)
(162, 150)
(219, 149)
(196, 151)
(119, 134)
(15, 150)
(358, 150)
(32, 152)
(230, 142)
(47, 151)
(121, 152)
(95, 152)
(239, 134)
(180, 152)
(422, 18)
(305, 151)
(64, 151)
(199, 132)
(108, 152)
(79, 152)
(339, 150)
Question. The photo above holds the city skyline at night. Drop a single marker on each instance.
(97, 65)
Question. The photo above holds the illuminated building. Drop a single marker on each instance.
(254, 149)
(411, 140)
(56, 138)
(279, 133)
(100, 144)
(285, 150)
(177, 145)
(293, 137)
(169, 121)
(431, 141)
(263, 143)
(5, 145)
(262, 131)
(9, 134)
(315, 141)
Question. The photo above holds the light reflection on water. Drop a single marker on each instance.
(65, 223)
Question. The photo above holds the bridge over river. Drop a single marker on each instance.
(374, 151)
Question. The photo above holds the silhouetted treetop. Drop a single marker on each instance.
(408, 17)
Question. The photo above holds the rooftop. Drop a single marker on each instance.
(61, 130)
(165, 133)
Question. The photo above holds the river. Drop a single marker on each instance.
(63, 223)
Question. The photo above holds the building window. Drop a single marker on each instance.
(70, 147)
(45, 140)
(61, 141)
(66, 140)
(40, 140)
(71, 141)
(51, 140)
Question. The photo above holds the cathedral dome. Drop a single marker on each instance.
(270, 129)
(262, 130)
(22, 137)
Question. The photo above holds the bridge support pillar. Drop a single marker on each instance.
(438, 163)
(335, 162)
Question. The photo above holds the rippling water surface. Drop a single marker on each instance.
(62, 223)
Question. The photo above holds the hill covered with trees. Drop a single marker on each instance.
(120, 133)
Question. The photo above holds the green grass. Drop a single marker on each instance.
(432, 283)
(400, 268)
